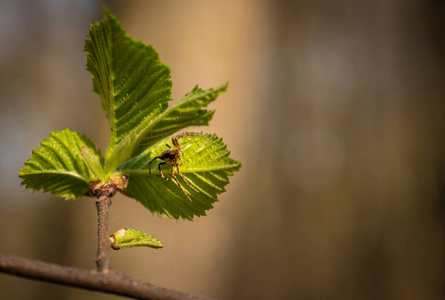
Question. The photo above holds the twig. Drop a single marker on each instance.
(112, 282)
(103, 242)
(104, 193)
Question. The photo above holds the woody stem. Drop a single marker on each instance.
(103, 242)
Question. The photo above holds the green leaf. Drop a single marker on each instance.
(93, 162)
(134, 85)
(206, 165)
(127, 237)
(57, 165)
(121, 153)
(188, 112)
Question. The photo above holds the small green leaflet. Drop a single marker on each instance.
(127, 237)
(57, 165)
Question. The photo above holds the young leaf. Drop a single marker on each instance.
(134, 85)
(206, 165)
(57, 165)
(121, 153)
(127, 237)
(93, 162)
(188, 112)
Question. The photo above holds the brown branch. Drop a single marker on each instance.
(102, 280)
(112, 282)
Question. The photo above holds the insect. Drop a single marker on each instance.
(173, 157)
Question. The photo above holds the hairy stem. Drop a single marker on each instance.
(112, 282)
(103, 242)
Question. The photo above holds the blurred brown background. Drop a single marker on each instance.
(335, 108)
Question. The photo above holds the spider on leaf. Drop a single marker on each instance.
(173, 157)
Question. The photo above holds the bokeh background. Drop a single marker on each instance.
(335, 108)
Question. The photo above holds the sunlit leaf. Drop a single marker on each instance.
(206, 165)
(57, 165)
(134, 85)
(127, 237)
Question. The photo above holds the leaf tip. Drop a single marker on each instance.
(224, 86)
(107, 11)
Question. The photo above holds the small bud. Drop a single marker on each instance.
(94, 187)
(121, 232)
(113, 242)
(124, 179)
(119, 180)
